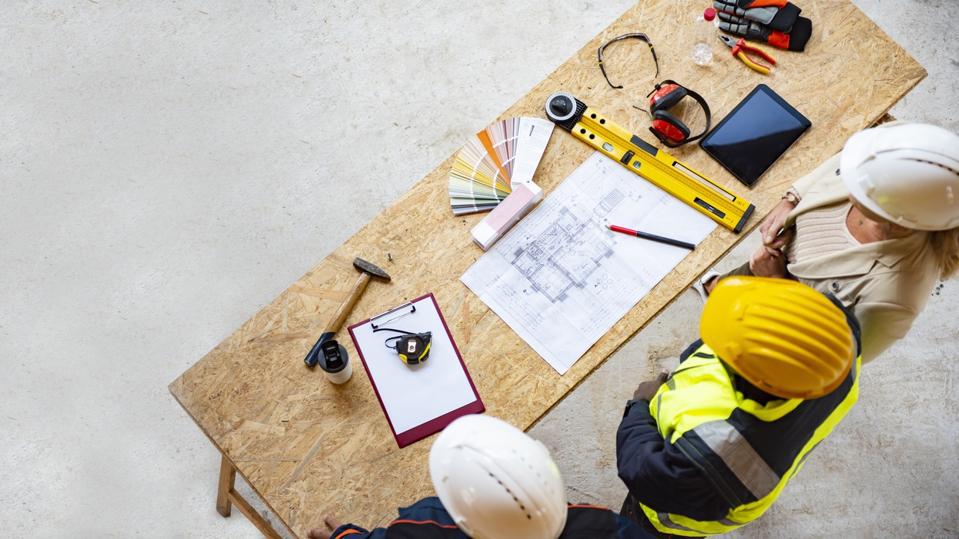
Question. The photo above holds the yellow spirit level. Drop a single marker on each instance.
(640, 157)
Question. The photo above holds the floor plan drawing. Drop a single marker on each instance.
(560, 279)
(563, 256)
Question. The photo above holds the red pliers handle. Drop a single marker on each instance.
(741, 50)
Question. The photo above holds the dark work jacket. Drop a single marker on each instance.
(428, 519)
(658, 474)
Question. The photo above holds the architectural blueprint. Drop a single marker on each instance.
(560, 279)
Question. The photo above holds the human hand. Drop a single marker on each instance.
(774, 222)
(647, 389)
(768, 262)
(319, 533)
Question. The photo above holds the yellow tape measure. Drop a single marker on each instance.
(644, 159)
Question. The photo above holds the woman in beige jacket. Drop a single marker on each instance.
(876, 225)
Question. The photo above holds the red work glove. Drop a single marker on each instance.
(794, 40)
(746, 4)
(777, 17)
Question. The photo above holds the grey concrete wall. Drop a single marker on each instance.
(167, 168)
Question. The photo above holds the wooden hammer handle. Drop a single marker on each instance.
(340, 315)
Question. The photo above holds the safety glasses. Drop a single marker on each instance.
(633, 35)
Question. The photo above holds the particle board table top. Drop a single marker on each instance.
(308, 447)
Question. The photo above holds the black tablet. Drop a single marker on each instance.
(753, 136)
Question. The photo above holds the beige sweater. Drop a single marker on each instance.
(821, 232)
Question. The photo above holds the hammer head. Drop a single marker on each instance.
(372, 269)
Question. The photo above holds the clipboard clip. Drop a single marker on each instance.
(405, 309)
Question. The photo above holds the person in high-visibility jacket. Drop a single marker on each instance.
(710, 447)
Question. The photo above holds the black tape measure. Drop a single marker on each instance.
(412, 348)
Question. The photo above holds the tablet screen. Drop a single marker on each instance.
(753, 136)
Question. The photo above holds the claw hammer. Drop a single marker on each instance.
(333, 352)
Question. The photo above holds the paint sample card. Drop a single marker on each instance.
(508, 213)
(503, 155)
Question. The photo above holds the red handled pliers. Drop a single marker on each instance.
(741, 50)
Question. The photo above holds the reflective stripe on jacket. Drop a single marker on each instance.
(748, 450)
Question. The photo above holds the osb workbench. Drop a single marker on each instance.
(309, 448)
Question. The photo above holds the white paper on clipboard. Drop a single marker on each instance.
(414, 395)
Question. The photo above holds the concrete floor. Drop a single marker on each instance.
(167, 169)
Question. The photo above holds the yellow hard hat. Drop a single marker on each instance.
(782, 336)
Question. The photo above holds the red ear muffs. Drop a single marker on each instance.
(669, 126)
(665, 96)
(669, 129)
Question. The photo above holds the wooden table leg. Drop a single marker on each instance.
(226, 496)
(227, 476)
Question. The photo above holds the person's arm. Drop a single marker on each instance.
(352, 531)
(658, 474)
(882, 324)
(335, 530)
(773, 224)
(426, 513)
(768, 262)
(827, 167)
(779, 215)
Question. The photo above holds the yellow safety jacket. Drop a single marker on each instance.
(748, 450)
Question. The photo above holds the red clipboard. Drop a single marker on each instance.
(417, 400)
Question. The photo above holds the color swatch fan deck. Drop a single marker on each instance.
(503, 155)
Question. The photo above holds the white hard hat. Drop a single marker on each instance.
(497, 482)
(906, 173)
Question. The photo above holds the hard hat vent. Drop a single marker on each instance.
(512, 495)
(935, 164)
